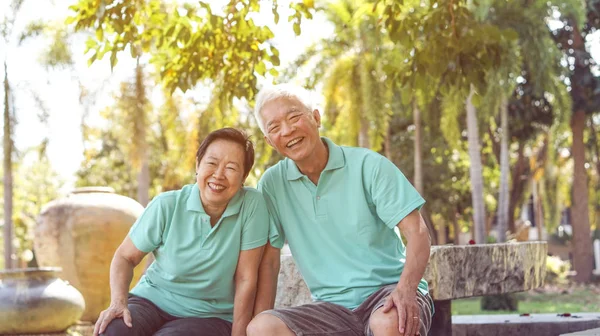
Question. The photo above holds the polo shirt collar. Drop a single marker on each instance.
(336, 160)
(233, 207)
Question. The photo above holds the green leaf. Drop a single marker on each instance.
(113, 59)
(275, 14)
(260, 68)
(275, 60)
(99, 34)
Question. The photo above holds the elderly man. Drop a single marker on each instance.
(338, 207)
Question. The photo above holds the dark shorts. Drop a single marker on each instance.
(328, 319)
(148, 319)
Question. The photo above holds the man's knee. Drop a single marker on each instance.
(266, 325)
(384, 324)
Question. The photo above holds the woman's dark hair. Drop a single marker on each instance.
(234, 135)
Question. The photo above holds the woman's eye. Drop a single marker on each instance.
(231, 168)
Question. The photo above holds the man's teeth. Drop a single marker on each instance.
(293, 142)
(216, 186)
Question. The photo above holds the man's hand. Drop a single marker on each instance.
(408, 311)
(112, 312)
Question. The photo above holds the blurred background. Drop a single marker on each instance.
(491, 108)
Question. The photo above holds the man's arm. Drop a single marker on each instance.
(267, 279)
(246, 275)
(418, 245)
(404, 297)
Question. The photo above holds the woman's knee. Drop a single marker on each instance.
(266, 325)
(117, 327)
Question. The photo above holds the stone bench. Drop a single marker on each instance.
(453, 272)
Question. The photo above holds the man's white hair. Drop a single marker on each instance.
(272, 92)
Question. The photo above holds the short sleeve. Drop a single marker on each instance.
(255, 229)
(393, 195)
(147, 231)
(276, 234)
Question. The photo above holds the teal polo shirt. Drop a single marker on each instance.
(341, 231)
(193, 274)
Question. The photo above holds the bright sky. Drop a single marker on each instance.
(60, 88)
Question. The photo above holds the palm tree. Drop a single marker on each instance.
(585, 92)
(528, 19)
(350, 67)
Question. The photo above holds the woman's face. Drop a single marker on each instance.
(220, 173)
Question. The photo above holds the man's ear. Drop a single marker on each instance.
(317, 115)
(268, 141)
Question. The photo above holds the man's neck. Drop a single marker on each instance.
(313, 165)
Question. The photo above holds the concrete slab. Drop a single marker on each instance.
(512, 325)
(590, 332)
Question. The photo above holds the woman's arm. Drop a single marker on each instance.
(267, 279)
(124, 261)
(246, 277)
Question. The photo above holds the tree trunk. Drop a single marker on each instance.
(363, 134)
(520, 175)
(503, 197)
(582, 243)
(140, 126)
(8, 179)
(388, 142)
(418, 179)
(456, 231)
(475, 171)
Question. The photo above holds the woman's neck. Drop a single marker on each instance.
(215, 212)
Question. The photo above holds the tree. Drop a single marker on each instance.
(585, 93)
(188, 42)
(460, 55)
(350, 65)
(541, 66)
(55, 55)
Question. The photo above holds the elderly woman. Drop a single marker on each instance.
(207, 239)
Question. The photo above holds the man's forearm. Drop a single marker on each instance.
(267, 280)
(243, 302)
(417, 256)
(121, 274)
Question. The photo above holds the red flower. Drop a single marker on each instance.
(471, 242)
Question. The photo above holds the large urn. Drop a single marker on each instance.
(80, 233)
(35, 300)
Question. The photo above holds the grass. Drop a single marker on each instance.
(578, 301)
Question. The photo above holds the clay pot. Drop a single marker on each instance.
(35, 300)
(80, 233)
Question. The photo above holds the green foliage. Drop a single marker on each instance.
(556, 270)
(36, 183)
(188, 42)
(351, 67)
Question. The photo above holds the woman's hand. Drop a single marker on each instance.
(118, 310)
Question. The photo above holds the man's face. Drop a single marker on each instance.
(291, 128)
